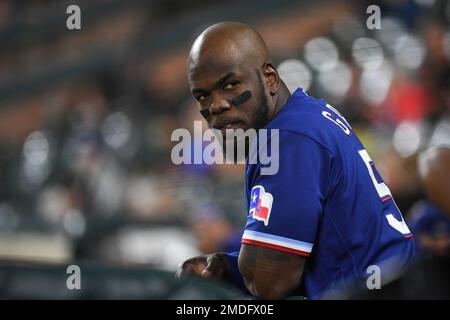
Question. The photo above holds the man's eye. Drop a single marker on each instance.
(230, 85)
(201, 98)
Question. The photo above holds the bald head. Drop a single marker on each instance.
(233, 79)
(434, 170)
(229, 41)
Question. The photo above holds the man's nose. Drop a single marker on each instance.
(219, 103)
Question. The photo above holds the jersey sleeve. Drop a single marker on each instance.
(285, 208)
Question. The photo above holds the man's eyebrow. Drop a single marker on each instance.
(197, 90)
(219, 82)
(226, 77)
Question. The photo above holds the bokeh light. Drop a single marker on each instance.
(409, 52)
(335, 83)
(321, 53)
(407, 139)
(374, 84)
(367, 53)
(295, 74)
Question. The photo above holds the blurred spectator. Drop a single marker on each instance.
(431, 228)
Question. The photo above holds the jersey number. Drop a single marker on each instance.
(382, 189)
(383, 192)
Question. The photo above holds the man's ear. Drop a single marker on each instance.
(272, 78)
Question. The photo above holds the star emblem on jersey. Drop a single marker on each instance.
(261, 204)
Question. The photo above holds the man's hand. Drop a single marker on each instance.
(210, 266)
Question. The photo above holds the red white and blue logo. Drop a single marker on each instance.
(261, 204)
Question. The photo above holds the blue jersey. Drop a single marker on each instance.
(327, 201)
(427, 219)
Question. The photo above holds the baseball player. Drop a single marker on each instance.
(326, 216)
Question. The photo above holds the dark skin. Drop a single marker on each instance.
(226, 60)
(434, 170)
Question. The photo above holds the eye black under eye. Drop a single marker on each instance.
(204, 112)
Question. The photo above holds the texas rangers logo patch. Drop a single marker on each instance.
(260, 204)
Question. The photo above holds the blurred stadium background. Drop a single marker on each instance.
(86, 118)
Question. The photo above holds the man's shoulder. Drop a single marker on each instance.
(298, 112)
(305, 115)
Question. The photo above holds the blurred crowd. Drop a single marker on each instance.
(86, 118)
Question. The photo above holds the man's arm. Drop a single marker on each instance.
(269, 273)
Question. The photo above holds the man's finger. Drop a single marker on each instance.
(215, 267)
